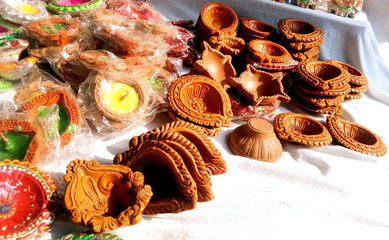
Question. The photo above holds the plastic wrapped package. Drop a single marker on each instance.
(22, 11)
(136, 9)
(73, 7)
(8, 30)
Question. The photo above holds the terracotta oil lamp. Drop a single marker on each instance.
(267, 52)
(228, 44)
(27, 195)
(71, 6)
(299, 30)
(105, 197)
(218, 17)
(23, 11)
(356, 76)
(255, 29)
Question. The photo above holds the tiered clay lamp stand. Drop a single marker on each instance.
(251, 29)
(27, 206)
(177, 160)
(321, 86)
(105, 198)
(301, 38)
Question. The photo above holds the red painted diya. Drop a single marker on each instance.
(26, 201)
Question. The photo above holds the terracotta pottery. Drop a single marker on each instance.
(268, 52)
(215, 65)
(340, 90)
(257, 27)
(72, 71)
(34, 89)
(356, 76)
(70, 116)
(299, 30)
(227, 44)
(16, 70)
(190, 155)
(11, 50)
(200, 100)
(323, 75)
(358, 89)
(209, 153)
(64, 6)
(104, 197)
(18, 140)
(89, 236)
(310, 53)
(299, 46)
(218, 17)
(256, 140)
(356, 137)
(174, 189)
(53, 31)
(120, 99)
(27, 197)
(273, 66)
(298, 128)
(320, 101)
(260, 87)
(335, 109)
(352, 95)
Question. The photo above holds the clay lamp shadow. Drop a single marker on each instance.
(70, 6)
(57, 114)
(23, 11)
(105, 197)
(18, 140)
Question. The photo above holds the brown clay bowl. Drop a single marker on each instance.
(218, 17)
(356, 137)
(356, 76)
(257, 27)
(268, 52)
(53, 31)
(299, 30)
(298, 128)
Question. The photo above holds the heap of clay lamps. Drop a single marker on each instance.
(301, 38)
(177, 161)
(251, 29)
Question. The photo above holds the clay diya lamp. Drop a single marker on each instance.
(227, 44)
(53, 31)
(273, 66)
(335, 109)
(299, 30)
(356, 76)
(90, 236)
(104, 197)
(299, 46)
(257, 28)
(18, 140)
(71, 6)
(27, 196)
(16, 70)
(23, 11)
(323, 75)
(190, 155)
(121, 99)
(68, 112)
(209, 153)
(307, 54)
(298, 128)
(256, 140)
(320, 101)
(218, 17)
(351, 95)
(10, 50)
(174, 189)
(268, 52)
(200, 100)
(356, 137)
(260, 87)
(215, 65)
(339, 90)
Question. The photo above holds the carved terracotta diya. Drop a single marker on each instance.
(320, 101)
(339, 90)
(267, 52)
(104, 197)
(298, 128)
(273, 66)
(335, 109)
(120, 99)
(69, 6)
(10, 50)
(53, 31)
(310, 53)
(18, 140)
(68, 112)
(256, 140)
(299, 46)
(215, 65)
(218, 17)
(18, 69)
(356, 137)
(23, 11)
(260, 87)
(200, 100)
(251, 29)
(27, 197)
(227, 44)
(299, 30)
(90, 236)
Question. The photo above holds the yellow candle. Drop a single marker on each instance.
(121, 98)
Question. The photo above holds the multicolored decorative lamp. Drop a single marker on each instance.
(71, 6)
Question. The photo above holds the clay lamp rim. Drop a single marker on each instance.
(38, 218)
(290, 64)
(260, 87)
(257, 27)
(356, 137)
(300, 46)
(307, 54)
(73, 5)
(356, 76)
(309, 33)
(335, 109)
(340, 90)
(268, 52)
(249, 35)
(293, 127)
(320, 101)
(208, 19)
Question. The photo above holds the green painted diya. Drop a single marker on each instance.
(61, 6)
(90, 236)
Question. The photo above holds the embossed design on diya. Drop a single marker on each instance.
(53, 31)
(335, 109)
(299, 30)
(174, 189)
(260, 87)
(356, 76)
(255, 29)
(273, 66)
(298, 128)
(303, 45)
(307, 54)
(27, 197)
(267, 52)
(60, 6)
(340, 90)
(320, 101)
(227, 44)
(356, 137)
(18, 140)
(105, 197)
(256, 140)
(201, 100)
(23, 11)
(218, 17)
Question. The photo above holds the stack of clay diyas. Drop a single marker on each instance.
(301, 38)
(217, 25)
(251, 29)
(177, 161)
(321, 86)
